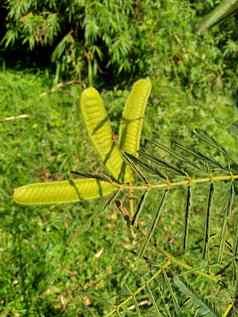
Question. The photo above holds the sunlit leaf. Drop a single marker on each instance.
(60, 192)
(133, 116)
(100, 132)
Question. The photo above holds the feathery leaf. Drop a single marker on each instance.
(205, 308)
(207, 221)
(186, 217)
(227, 212)
(154, 224)
(139, 208)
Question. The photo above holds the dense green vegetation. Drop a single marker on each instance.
(81, 260)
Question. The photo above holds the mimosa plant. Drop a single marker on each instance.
(125, 162)
(122, 161)
(100, 132)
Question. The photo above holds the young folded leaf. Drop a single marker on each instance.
(133, 116)
(100, 132)
(62, 191)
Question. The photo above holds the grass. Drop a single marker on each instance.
(79, 260)
(40, 244)
(65, 261)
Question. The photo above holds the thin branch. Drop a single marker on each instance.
(14, 118)
(186, 182)
(60, 86)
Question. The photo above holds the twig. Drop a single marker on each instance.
(60, 86)
(13, 118)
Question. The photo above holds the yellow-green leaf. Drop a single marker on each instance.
(133, 116)
(100, 132)
(62, 191)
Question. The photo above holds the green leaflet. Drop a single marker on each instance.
(62, 191)
(100, 132)
(133, 116)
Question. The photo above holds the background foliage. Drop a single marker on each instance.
(79, 260)
(135, 38)
(79, 34)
